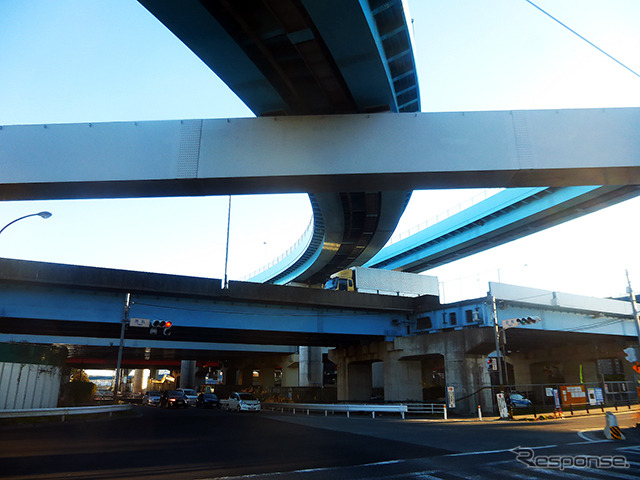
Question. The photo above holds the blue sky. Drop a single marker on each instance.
(77, 61)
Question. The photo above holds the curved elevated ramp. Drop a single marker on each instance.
(311, 57)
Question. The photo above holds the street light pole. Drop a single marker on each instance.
(225, 284)
(44, 215)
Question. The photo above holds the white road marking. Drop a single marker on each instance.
(486, 452)
(306, 470)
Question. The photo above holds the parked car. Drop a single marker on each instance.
(208, 400)
(518, 401)
(190, 395)
(243, 402)
(173, 399)
(152, 398)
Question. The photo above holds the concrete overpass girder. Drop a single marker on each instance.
(316, 154)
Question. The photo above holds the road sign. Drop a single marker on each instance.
(452, 397)
(139, 322)
(502, 406)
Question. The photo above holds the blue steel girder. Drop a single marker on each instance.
(64, 312)
(66, 305)
(506, 216)
(286, 57)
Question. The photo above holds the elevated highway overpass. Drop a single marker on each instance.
(330, 67)
(84, 307)
(505, 216)
(310, 57)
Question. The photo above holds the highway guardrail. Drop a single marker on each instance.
(64, 411)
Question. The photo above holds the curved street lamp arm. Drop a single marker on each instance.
(40, 214)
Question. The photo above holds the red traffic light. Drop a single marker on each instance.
(167, 324)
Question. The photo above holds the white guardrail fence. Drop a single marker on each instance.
(402, 409)
(63, 412)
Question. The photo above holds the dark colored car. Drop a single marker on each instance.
(173, 399)
(208, 400)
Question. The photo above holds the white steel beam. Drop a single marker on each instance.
(321, 153)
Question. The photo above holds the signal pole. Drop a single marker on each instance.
(634, 308)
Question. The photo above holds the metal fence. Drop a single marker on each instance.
(439, 409)
(608, 393)
(306, 408)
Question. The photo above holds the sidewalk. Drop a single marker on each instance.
(577, 413)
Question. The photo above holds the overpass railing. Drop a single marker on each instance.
(304, 238)
(469, 202)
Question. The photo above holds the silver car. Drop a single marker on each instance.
(243, 402)
(152, 398)
(190, 394)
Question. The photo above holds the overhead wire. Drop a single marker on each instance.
(583, 38)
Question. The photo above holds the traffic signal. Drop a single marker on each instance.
(161, 324)
(528, 320)
(517, 322)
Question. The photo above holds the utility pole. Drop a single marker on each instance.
(494, 315)
(125, 320)
(634, 307)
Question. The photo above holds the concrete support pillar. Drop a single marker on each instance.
(342, 390)
(137, 386)
(290, 375)
(468, 374)
(310, 367)
(360, 386)
(465, 371)
(267, 377)
(245, 377)
(377, 374)
(187, 374)
(402, 380)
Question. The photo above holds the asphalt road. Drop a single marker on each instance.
(208, 444)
